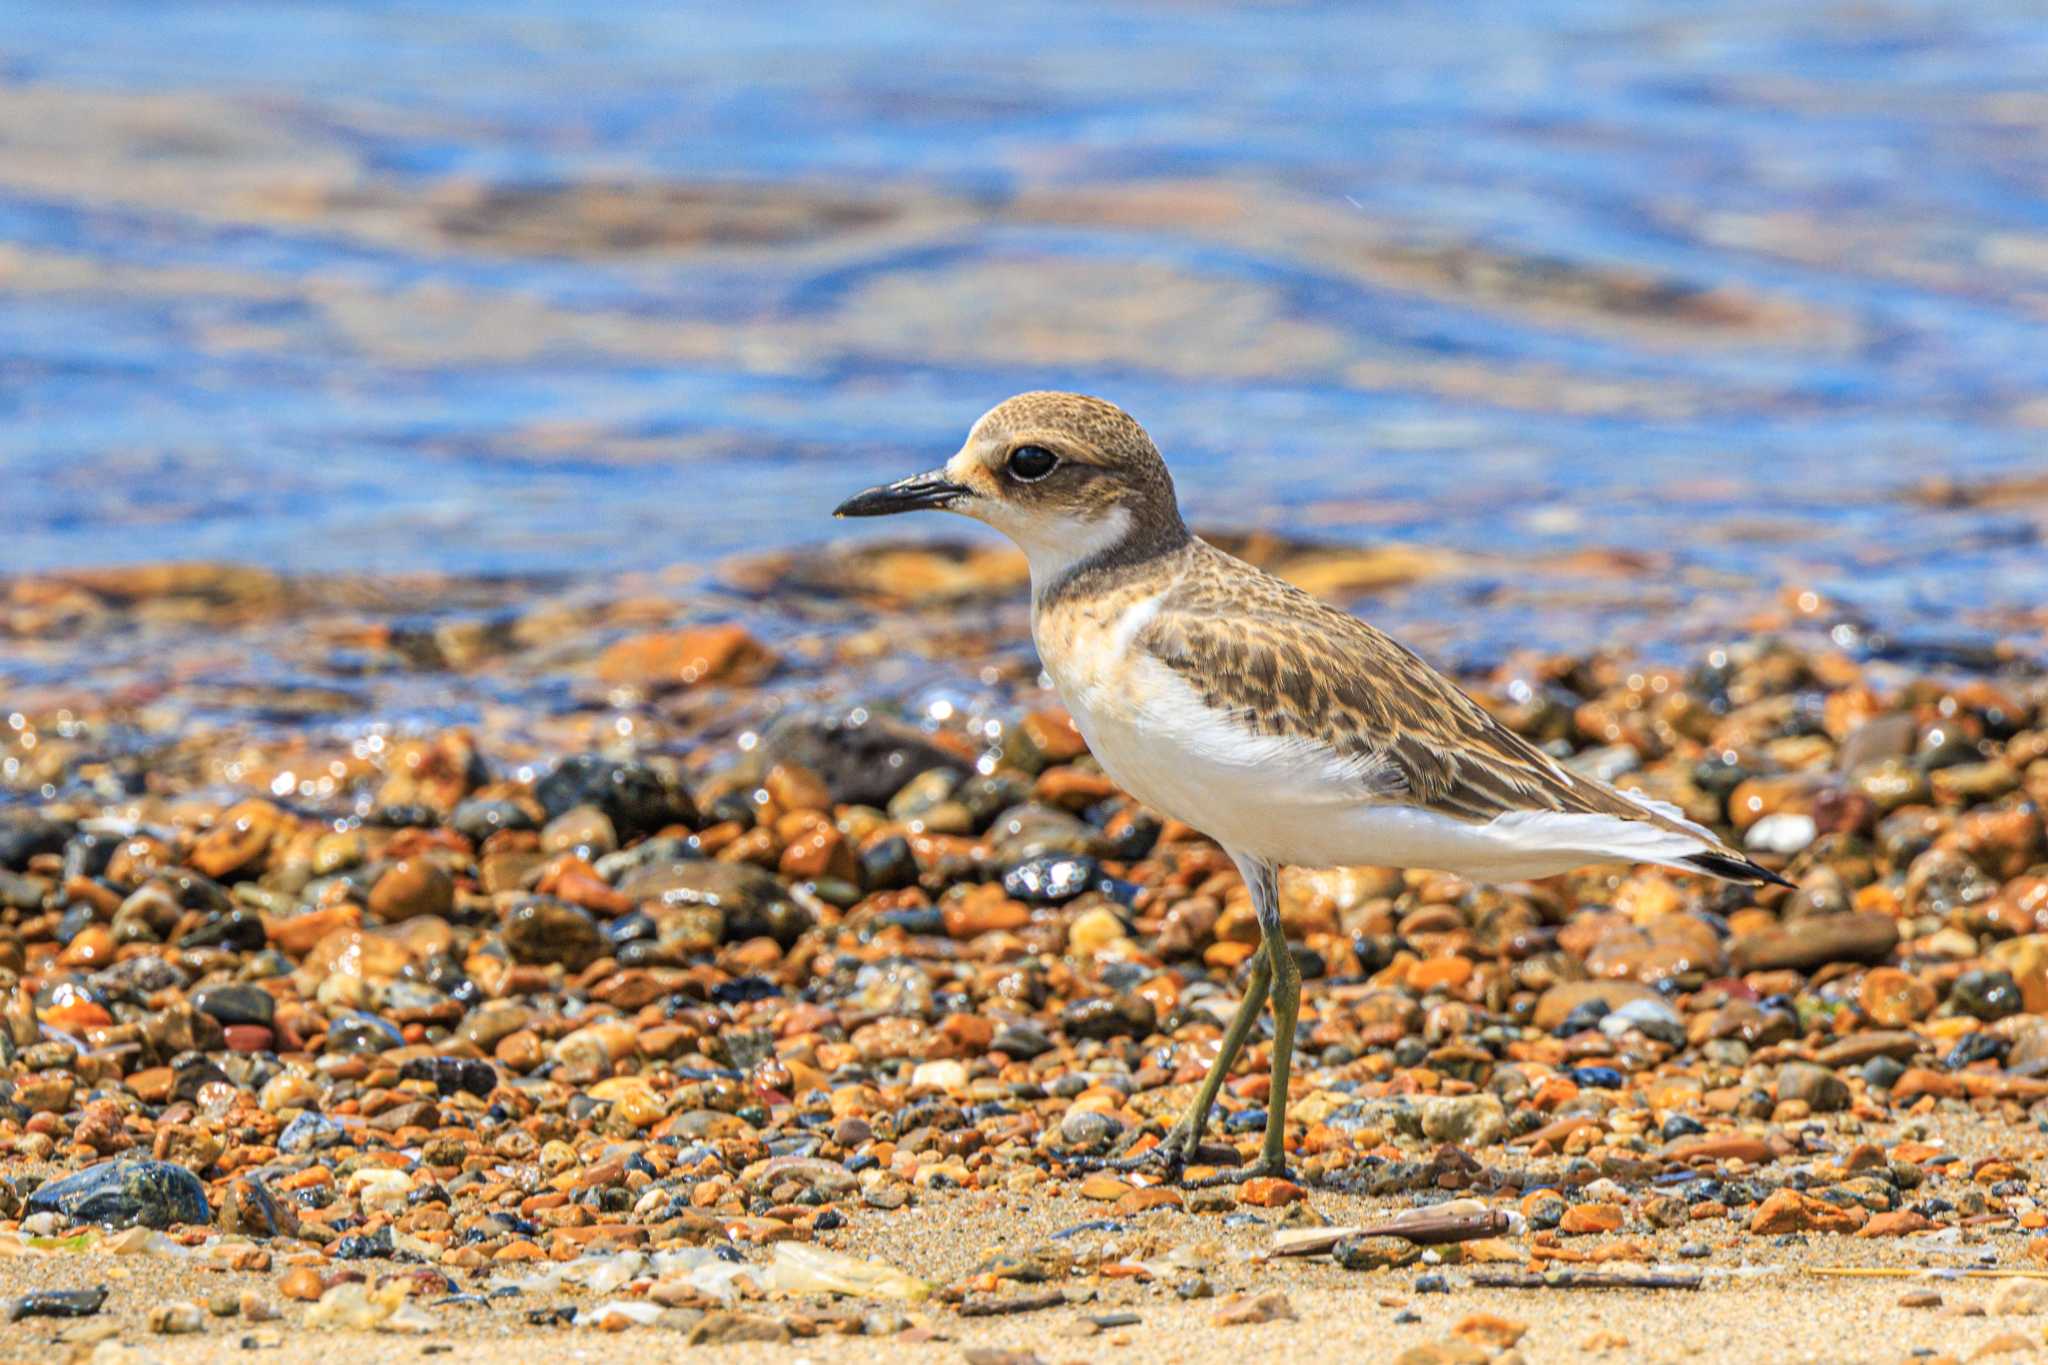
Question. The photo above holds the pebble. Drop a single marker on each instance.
(1051, 880)
(1817, 1087)
(1240, 1310)
(1490, 1330)
(177, 1319)
(54, 1303)
(1375, 1253)
(409, 888)
(125, 1193)
(1467, 1120)
(237, 1003)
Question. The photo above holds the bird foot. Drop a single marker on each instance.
(1175, 1153)
(1258, 1169)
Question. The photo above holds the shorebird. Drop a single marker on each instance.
(1286, 730)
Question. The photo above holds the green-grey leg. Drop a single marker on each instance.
(1286, 1008)
(1233, 1043)
(1178, 1147)
(1286, 992)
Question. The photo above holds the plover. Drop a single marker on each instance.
(1286, 730)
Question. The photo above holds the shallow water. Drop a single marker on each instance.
(541, 288)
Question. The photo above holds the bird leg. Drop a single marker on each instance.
(1178, 1146)
(1286, 978)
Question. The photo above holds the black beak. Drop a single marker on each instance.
(932, 489)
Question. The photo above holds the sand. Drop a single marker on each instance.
(1763, 1298)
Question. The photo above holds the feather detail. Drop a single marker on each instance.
(1286, 667)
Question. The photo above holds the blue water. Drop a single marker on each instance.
(229, 329)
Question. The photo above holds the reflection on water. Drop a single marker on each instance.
(1646, 312)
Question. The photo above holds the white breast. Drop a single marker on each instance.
(1289, 801)
(1161, 743)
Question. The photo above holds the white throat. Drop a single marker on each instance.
(1054, 550)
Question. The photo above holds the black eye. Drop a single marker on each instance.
(1029, 464)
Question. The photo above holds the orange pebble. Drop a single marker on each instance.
(1439, 973)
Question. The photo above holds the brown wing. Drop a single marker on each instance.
(1294, 667)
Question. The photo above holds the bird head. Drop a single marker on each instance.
(1070, 478)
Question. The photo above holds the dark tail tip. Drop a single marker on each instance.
(1731, 868)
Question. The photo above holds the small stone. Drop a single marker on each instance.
(302, 1283)
(1476, 1120)
(1101, 1017)
(54, 1303)
(1241, 1310)
(1451, 1352)
(1820, 1089)
(1269, 1192)
(1555, 1005)
(248, 1208)
(543, 930)
(1896, 1223)
(1103, 1185)
(477, 819)
(2020, 1298)
(1039, 1264)
(698, 656)
(1790, 1211)
(1087, 1128)
(1375, 1253)
(1893, 998)
(1987, 995)
(1815, 941)
(864, 758)
(1665, 1211)
(721, 1329)
(1720, 1147)
(1051, 880)
(1490, 1329)
(237, 1003)
(1582, 1219)
(1021, 1042)
(177, 1319)
(749, 902)
(2005, 1344)
(358, 1031)
(412, 887)
(1095, 931)
(1919, 1298)
(1783, 832)
(635, 796)
(238, 840)
(1145, 1200)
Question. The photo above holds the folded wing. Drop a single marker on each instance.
(1289, 669)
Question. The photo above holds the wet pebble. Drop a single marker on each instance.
(154, 1194)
